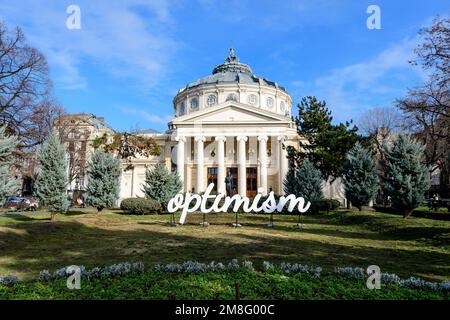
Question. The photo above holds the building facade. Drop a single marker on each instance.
(77, 132)
(231, 122)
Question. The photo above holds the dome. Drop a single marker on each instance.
(232, 71)
(228, 82)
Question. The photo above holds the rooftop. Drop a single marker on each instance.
(233, 71)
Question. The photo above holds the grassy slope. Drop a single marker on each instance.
(413, 247)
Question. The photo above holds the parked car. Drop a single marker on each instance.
(29, 203)
(12, 202)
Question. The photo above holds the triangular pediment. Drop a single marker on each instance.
(231, 113)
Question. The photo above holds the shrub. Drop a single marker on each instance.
(9, 280)
(140, 206)
(324, 205)
(350, 272)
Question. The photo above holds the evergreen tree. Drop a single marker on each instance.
(360, 176)
(309, 182)
(8, 185)
(290, 183)
(406, 175)
(51, 184)
(324, 143)
(103, 174)
(160, 184)
(305, 181)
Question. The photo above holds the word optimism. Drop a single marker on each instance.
(270, 205)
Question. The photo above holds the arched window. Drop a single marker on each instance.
(194, 104)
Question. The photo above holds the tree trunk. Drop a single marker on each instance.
(360, 208)
(53, 217)
(407, 213)
(99, 210)
(349, 204)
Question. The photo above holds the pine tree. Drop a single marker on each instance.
(305, 181)
(8, 185)
(325, 144)
(360, 176)
(160, 184)
(309, 182)
(290, 183)
(51, 184)
(406, 175)
(103, 174)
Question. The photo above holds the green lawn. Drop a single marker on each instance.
(413, 247)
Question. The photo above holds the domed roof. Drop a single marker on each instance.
(233, 71)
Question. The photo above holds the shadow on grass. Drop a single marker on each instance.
(427, 214)
(24, 218)
(30, 248)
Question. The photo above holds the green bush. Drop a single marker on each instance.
(324, 205)
(140, 206)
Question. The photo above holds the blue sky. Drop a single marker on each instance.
(130, 57)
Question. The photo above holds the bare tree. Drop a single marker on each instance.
(427, 107)
(390, 119)
(26, 106)
(381, 123)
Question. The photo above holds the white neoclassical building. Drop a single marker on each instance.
(230, 122)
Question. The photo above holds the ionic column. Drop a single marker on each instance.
(199, 159)
(283, 162)
(220, 164)
(180, 159)
(133, 180)
(242, 171)
(263, 163)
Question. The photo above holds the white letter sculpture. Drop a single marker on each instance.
(268, 206)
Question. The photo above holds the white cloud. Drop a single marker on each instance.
(124, 38)
(149, 117)
(351, 89)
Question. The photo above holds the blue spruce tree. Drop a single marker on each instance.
(406, 176)
(309, 182)
(51, 184)
(360, 176)
(306, 182)
(160, 184)
(103, 175)
(8, 185)
(290, 183)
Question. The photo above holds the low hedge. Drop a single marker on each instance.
(140, 206)
(324, 205)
